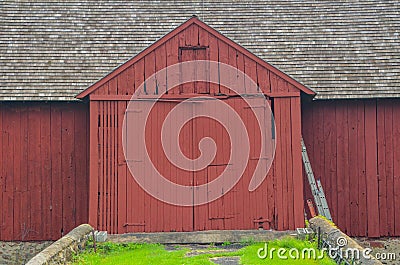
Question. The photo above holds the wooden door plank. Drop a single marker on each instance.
(371, 169)
(297, 163)
(45, 157)
(396, 166)
(122, 183)
(68, 170)
(341, 119)
(35, 172)
(279, 205)
(353, 168)
(56, 176)
(329, 173)
(93, 163)
(214, 57)
(263, 79)
(389, 150)
(362, 175)
(382, 184)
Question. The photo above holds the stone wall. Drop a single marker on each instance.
(17, 252)
(61, 251)
(335, 236)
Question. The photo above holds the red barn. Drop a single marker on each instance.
(334, 80)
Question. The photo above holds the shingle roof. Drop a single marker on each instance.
(52, 50)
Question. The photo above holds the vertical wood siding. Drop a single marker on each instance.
(43, 169)
(119, 205)
(354, 149)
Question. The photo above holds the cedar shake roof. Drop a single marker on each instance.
(53, 50)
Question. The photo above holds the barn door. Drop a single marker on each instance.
(237, 208)
(145, 213)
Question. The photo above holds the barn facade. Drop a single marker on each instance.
(119, 205)
(62, 159)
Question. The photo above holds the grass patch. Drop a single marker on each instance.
(110, 253)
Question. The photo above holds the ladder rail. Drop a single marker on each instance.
(316, 189)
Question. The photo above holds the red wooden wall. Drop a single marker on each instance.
(354, 147)
(117, 204)
(43, 169)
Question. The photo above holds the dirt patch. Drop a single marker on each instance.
(226, 260)
(200, 249)
(387, 250)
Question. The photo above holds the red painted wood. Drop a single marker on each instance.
(282, 85)
(68, 165)
(362, 173)
(156, 206)
(368, 121)
(263, 79)
(352, 228)
(45, 156)
(214, 56)
(342, 156)
(279, 175)
(8, 217)
(203, 37)
(240, 66)
(391, 206)
(172, 50)
(8, 182)
(328, 174)
(382, 180)
(130, 80)
(192, 35)
(111, 155)
(31, 201)
(298, 190)
(250, 68)
(15, 167)
(103, 89)
(232, 61)
(109, 163)
(122, 81)
(161, 63)
(185, 56)
(121, 172)
(346, 174)
(139, 74)
(56, 174)
(318, 162)
(286, 164)
(371, 170)
(149, 70)
(396, 166)
(223, 51)
(93, 163)
(34, 169)
(274, 84)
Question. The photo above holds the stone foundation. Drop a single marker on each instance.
(61, 251)
(16, 252)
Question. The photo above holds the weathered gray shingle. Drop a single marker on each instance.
(52, 50)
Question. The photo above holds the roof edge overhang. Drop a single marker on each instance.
(171, 34)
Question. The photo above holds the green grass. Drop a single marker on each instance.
(110, 253)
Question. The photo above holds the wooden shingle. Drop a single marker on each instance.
(52, 50)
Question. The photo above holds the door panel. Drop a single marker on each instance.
(238, 208)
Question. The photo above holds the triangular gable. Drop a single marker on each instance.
(173, 33)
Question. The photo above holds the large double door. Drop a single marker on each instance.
(187, 132)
